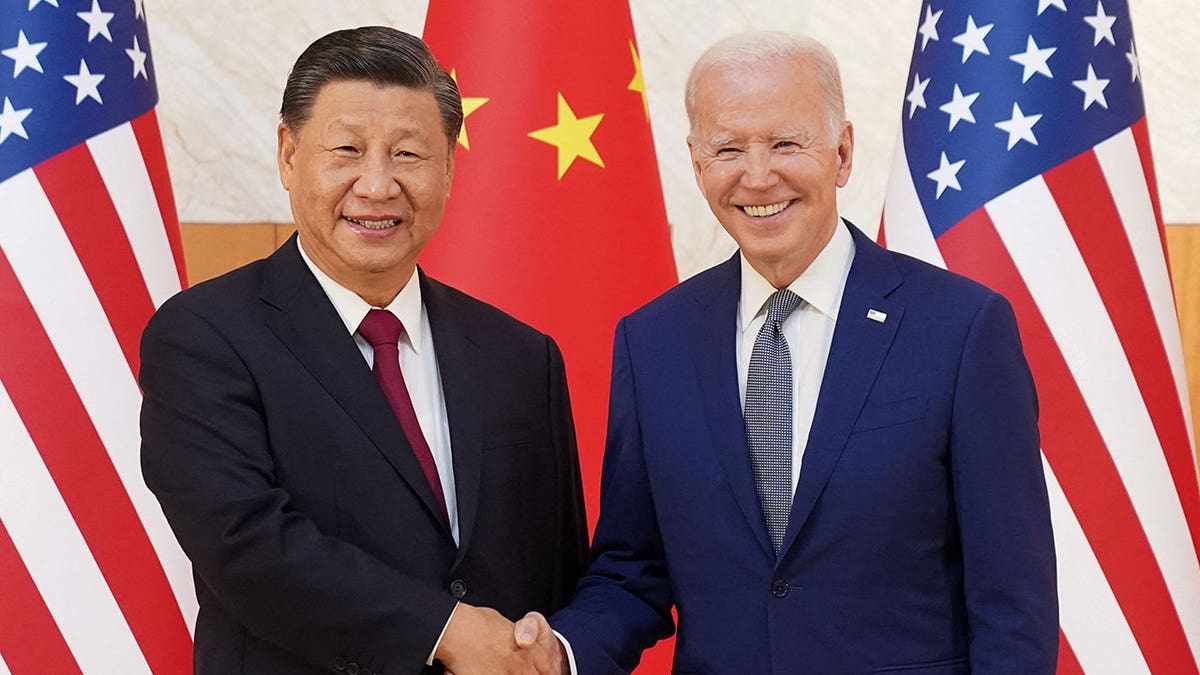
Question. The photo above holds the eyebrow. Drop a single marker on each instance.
(784, 135)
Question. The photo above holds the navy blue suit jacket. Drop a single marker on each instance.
(919, 540)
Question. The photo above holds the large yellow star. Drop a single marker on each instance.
(572, 136)
(638, 84)
(469, 105)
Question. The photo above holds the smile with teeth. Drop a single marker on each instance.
(766, 210)
(374, 224)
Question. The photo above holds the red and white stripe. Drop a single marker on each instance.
(1079, 252)
(88, 248)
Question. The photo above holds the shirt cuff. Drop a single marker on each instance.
(429, 661)
(570, 654)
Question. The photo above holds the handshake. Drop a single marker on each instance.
(478, 640)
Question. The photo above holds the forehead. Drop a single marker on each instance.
(770, 98)
(368, 106)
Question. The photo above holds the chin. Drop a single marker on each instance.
(383, 266)
(770, 251)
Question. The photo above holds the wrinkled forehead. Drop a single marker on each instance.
(344, 96)
(777, 99)
(785, 97)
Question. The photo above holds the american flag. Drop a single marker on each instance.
(91, 579)
(1024, 162)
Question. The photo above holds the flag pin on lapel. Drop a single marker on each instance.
(876, 315)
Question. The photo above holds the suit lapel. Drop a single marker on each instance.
(714, 346)
(856, 354)
(309, 326)
(461, 366)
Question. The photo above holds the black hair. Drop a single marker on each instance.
(377, 54)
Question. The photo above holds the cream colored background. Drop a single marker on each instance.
(221, 65)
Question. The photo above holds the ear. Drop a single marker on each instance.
(450, 169)
(692, 150)
(286, 155)
(845, 152)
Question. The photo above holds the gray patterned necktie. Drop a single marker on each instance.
(768, 415)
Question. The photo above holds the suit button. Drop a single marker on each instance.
(458, 589)
(352, 668)
(780, 588)
(339, 664)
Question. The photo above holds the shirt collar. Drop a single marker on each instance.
(352, 309)
(820, 285)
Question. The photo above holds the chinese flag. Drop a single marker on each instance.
(556, 214)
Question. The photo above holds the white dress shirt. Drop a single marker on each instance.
(418, 363)
(808, 329)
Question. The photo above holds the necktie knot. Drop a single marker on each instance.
(381, 327)
(780, 305)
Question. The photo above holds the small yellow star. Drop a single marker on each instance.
(572, 136)
(638, 84)
(469, 105)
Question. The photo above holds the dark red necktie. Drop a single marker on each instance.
(382, 329)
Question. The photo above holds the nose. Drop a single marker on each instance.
(759, 169)
(379, 179)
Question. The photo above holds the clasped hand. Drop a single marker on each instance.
(479, 641)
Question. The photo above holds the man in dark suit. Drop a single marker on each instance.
(356, 458)
(822, 454)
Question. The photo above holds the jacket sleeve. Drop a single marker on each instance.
(572, 528)
(623, 603)
(207, 456)
(1001, 503)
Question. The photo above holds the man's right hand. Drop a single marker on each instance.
(479, 641)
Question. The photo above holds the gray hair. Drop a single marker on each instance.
(765, 47)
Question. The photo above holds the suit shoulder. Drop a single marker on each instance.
(681, 297)
(957, 305)
(493, 321)
(232, 291)
(222, 306)
(939, 285)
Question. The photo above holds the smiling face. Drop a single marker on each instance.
(766, 162)
(367, 175)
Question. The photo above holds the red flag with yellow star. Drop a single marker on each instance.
(556, 214)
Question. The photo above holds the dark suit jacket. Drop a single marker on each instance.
(290, 485)
(919, 539)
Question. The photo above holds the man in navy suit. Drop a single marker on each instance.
(359, 460)
(822, 454)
